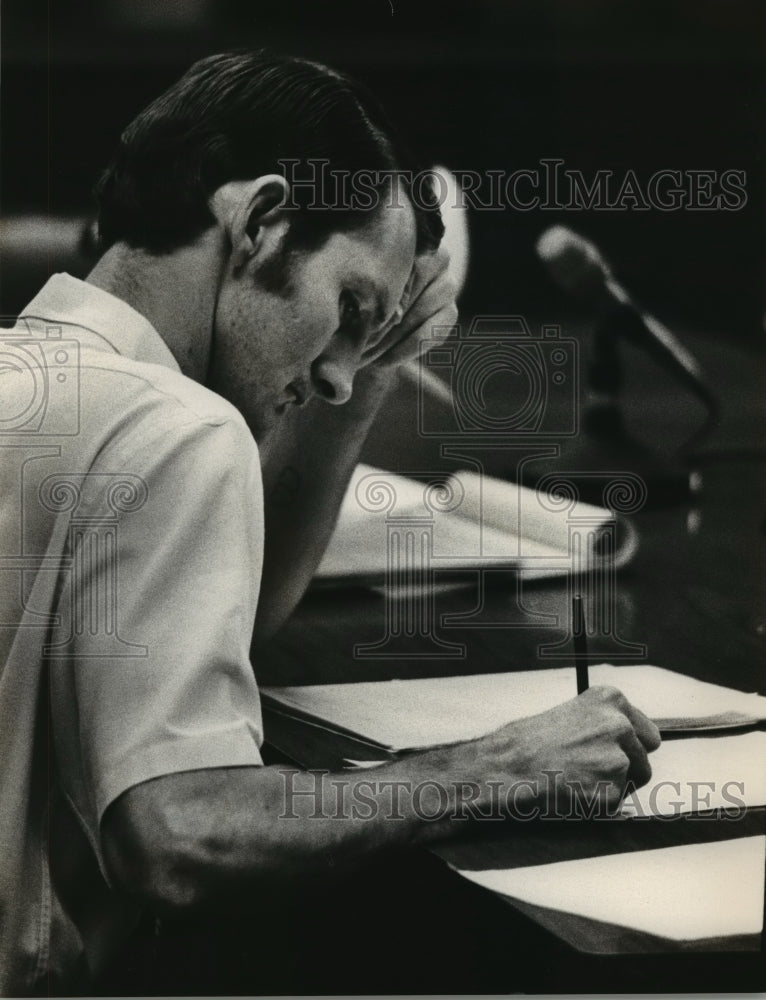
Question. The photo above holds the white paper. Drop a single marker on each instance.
(699, 774)
(408, 714)
(485, 522)
(685, 893)
(540, 523)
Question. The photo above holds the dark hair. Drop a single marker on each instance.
(234, 116)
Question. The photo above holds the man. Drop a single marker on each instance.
(228, 333)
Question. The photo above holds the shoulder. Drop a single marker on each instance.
(139, 383)
(182, 448)
(184, 399)
(146, 408)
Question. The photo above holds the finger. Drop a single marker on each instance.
(613, 787)
(645, 729)
(429, 335)
(398, 314)
(422, 310)
(431, 267)
(427, 269)
(428, 266)
(427, 282)
(639, 769)
(420, 326)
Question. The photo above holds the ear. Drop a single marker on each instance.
(252, 215)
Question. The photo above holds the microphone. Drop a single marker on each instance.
(577, 266)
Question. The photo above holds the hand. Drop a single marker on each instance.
(596, 743)
(428, 302)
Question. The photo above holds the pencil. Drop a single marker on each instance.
(580, 644)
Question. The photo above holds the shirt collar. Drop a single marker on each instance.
(64, 299)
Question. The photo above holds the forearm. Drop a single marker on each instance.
(204, 839)
(307, 464)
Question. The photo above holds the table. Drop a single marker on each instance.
(693, 596)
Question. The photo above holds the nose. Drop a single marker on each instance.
(333, 375)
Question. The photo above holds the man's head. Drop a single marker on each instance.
(238, 116)
(300, 287)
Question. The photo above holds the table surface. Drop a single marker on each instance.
(693, 597)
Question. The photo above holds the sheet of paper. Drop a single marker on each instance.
(698, 774)
(473, 521)
(666, 695)
(407, 714)
(685, 893)
(536, 518)
(359, 546)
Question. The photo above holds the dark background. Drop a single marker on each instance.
(486, 85)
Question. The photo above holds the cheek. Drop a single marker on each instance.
(243, 332)
(236, 366)
(266, 339)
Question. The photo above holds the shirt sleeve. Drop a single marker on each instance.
(160, 608)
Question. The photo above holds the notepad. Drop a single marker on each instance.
(468, 522)
(684, 893)
(400, 715)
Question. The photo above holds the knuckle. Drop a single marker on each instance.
(600, 693)
(616, 764)
(442, 257)
(622, 727)
(614, 696)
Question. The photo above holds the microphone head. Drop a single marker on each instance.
(573, 262)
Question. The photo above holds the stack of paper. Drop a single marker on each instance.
(690, 892)
(412, 714)
(685, 893)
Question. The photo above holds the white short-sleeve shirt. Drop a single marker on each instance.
(131, 527)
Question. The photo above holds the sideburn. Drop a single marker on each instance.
(275, 274)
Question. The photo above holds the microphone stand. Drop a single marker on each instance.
(605, 444)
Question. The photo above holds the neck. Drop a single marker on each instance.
(175, 292)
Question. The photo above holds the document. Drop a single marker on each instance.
(684, 893)
(467, 522)
(701, 774)
(412, 714)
